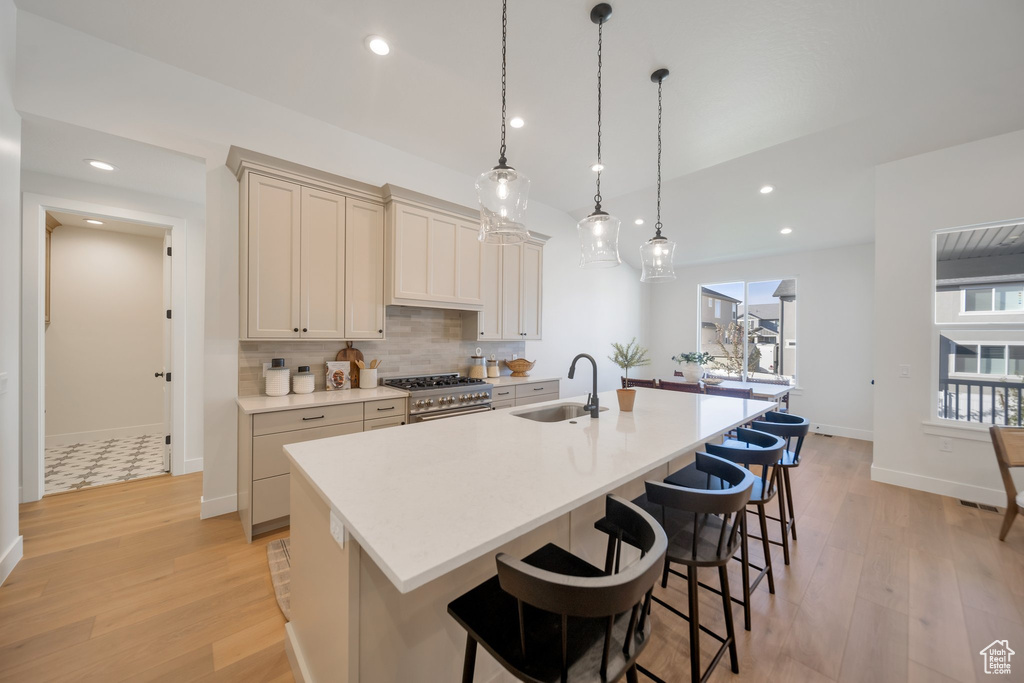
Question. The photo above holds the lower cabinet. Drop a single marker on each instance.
(514, 395)
(264, 470)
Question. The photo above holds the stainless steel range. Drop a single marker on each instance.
(435, 397)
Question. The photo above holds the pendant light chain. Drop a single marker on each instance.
(657, 225)
(600, 44)
(504, 33)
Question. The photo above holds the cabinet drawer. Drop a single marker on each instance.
(501, 405)
(503, 394)
(391, 407)
(384, 422)
(268, 460)
(540, 398)
(537, 389)
(270, 498)
(306, 418)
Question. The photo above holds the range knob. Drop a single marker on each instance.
(430, 401)
(419, 404)
(463, 397)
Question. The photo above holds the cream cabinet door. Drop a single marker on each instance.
(411, 253)
(511, 286)
(364, 270)
(489, 317)
(531, 288)
(469, 263)
(323, 265)
(274, 257)
(443, 258)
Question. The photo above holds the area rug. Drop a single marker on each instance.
(280, 559)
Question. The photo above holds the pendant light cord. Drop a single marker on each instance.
(657, 225)
(600, 44)
(504, 32)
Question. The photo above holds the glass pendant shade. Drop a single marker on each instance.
(656, 256)
(502, 193)
(599, 241)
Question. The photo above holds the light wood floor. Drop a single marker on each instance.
(125, 582)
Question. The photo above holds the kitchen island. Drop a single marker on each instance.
(421, 511)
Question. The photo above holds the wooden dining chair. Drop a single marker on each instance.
(643, 383)
(1009, 445)
(687, 387)
(712, 390)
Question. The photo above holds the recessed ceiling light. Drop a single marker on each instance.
(767, 189)
(377, 45)
(517, 122)
(639, 221)
(102, 165)
(93, 221)
(786, 231)
(597, 168)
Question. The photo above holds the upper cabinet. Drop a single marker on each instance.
(512, 293)
(312, 254)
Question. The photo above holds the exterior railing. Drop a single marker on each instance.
(982, 401)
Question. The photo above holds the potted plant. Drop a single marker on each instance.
(632, 355)
(692, 364)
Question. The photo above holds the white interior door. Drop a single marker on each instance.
(166, 370)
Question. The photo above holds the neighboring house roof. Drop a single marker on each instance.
(771, 325)
(765, 311)
(786, 290)
(717, 295)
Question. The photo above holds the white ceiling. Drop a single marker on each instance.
(806, 95)
(109, 224)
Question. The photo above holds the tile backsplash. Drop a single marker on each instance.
(420, 341)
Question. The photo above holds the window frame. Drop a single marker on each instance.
(991, 311)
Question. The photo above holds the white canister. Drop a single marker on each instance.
(302, 382)
(278, 378)
(368, 378)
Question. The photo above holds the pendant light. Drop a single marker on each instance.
(599, 232)
(502, 191)
(656, 254)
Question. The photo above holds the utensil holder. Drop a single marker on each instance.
(368, 378)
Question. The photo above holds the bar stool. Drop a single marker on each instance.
(555, 617)
(789, 427)
(750, 449)
(703, 525)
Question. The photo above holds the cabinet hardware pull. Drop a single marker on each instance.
(380, 409)
(380, 331)
(295, 329)
(503, 393)
(304, 329)
(319, 417)
(538, 388)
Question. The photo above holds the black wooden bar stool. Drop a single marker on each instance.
(788, 427)
(702, 525)
(750, 449)
(555, 617)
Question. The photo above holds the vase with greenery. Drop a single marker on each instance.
(692, 364)
(631, 355)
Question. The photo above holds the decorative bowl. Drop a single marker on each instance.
(713, 381)
(520, 367)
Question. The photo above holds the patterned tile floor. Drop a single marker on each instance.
(76, 466)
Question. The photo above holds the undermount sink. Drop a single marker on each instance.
(556, 413)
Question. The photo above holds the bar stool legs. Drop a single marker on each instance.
(469, 663)
(692, 588)
(789, 500)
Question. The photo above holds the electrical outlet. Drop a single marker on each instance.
(946, 445)
(515, 356)
(337, 529)
(905, 371)
(266, 366)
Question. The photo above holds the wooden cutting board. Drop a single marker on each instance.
(352, 355)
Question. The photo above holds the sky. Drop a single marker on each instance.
(760, 292)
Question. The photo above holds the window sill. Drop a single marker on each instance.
(952, 429)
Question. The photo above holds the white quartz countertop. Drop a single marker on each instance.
(270, 404)
(435, 495)
(506, 380)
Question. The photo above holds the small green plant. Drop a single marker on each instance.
(698, 357)
(632, 355)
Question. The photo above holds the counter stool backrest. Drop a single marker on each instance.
(688, 387)
(752, 448)
(643, 383)
(787, 426)
(725, 502)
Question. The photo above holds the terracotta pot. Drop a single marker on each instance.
(692, 372)
(626, 399)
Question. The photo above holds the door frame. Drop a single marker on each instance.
(33, 293)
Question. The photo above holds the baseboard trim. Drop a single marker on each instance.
(217, 506)
(942, 487)
(300, 671)
(54, 440)
(193, 465)
(12, 555)
(848, 432)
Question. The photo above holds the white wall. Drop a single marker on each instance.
(10, 296)
(195, 265)
(105, 339)
(979, 182)
(833, 318)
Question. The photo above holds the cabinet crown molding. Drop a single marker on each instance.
(393, 193)
(240, 160)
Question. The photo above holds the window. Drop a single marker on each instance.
(997, 299)
(988, 359)
(747, 344)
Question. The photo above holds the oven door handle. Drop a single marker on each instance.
(467, 411)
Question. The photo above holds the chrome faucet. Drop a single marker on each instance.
(592, 404)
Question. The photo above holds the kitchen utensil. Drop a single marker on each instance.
(302, 382)
(278, 378)
(361, 365)
(351, 355)
(368, 378)
(520, 367)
